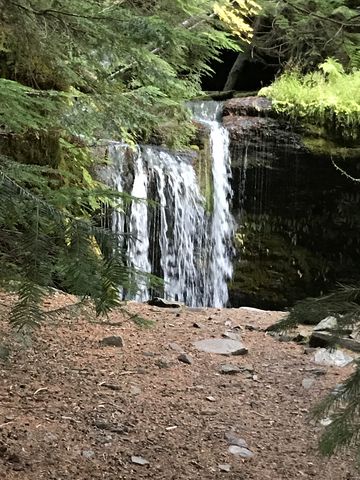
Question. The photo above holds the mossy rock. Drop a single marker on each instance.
(322, 146)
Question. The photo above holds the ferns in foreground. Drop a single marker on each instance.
(328, 97)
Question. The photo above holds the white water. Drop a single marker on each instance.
(115, 176)
(191, 247)
(222, 223)
(138, 245)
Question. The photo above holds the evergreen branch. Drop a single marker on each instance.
(186, 24)
(52, 11)
(92, 229)
(342, 407)
(321, 17)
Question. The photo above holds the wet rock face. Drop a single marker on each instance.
(272, 131)
(249, 106)
(297, 216)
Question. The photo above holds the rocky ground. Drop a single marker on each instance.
(155, 407)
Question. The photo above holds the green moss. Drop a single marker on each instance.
(269, 269)
(325, 147)
(203, 169)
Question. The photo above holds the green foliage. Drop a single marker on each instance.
(306, 32)
(123, 68)
(328, 97)
(342, 407)
(23, 108)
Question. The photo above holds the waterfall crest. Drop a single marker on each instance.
(176, 237)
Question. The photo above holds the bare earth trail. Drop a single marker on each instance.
(72, 409)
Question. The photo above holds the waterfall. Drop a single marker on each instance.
(176, 237)
(222, 224)
(138, 245)
(182, 224)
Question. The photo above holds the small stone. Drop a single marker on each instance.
(231, 335)
(4, 353)
(176, 347)
(185, 358)
(162, 363)
(221, 346)
(325, 422)
(208, 412)
(247, 368)
(211, 399)
(307, 383)
(88, 454)
(112, 341)
(135, 390)
(110, 386)
(242, 452)
(139, 460)
(233, 439)
(237, 327)
(224, 467)
(251, 328)
(198, 325)
(228, 369)
(162, 303)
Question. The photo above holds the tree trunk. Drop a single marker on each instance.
(235, 71)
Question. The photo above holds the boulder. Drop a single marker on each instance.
(325, 339)
(328, 323)
(334, 358)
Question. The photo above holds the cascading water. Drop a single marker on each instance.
(181, 224)
(222, 224)
(138, 245)
(183, 242)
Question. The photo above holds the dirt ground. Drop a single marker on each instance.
(72, 409)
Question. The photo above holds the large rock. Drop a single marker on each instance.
(328, 323)
(249, 106)
(221, 346)
(334, 358)
(325, 339)
(275, 133)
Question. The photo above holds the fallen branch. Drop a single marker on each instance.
(347, 175)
